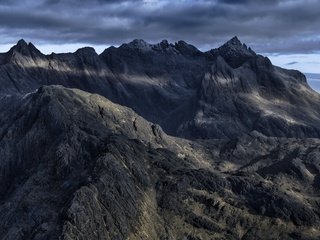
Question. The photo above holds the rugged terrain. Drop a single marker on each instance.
(243, 161)
(189, 93)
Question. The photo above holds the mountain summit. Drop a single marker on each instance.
(235, 53)
(24, 48)
(234, 41)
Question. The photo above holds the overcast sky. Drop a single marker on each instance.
(285, 30)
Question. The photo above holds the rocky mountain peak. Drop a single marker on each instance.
(88, 56)
(86, 51)
(185, 48)
(164, 43)
(234, 41)
(235, 53)
(22, 43)
(20, 47)
(25, 49)
(164, 47)
(137, 44)
(234, 44)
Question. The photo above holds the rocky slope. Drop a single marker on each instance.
(77, 166)
(240, 163)
(189, 93)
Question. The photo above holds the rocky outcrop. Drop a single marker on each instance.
(234, 52)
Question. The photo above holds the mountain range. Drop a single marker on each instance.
(157, 141)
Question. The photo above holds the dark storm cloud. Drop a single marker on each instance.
(274, 26)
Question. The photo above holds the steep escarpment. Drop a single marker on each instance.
(76, 166)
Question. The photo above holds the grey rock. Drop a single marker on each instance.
(75, 165)
(91, 158)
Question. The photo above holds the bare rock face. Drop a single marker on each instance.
(77, 166)
(95, 161)
(234, 52)
(187, 92)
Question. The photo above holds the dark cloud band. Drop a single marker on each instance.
(268, 26)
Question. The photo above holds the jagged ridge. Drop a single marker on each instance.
(190, 93)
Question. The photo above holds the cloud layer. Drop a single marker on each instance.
(273, 26)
